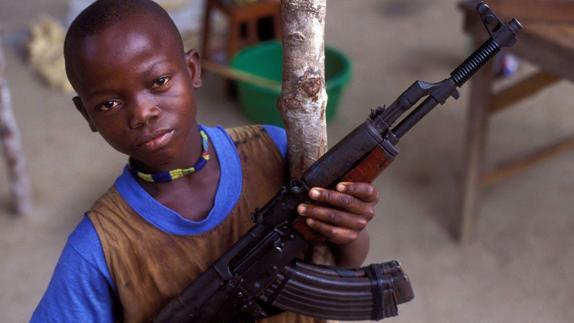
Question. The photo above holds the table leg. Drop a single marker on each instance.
(477, 123)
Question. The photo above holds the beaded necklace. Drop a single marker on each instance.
(172, 175)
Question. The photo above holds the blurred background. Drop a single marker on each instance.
(515, 266)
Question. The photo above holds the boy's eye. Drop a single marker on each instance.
(108, 105)
(161, 82)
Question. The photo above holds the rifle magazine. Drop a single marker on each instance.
(368, 293)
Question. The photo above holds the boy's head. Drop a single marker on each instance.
(135, 84)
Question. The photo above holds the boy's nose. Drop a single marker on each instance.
(143, 114)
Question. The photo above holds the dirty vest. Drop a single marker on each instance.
(150, 267)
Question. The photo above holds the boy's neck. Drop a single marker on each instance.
(191, 196)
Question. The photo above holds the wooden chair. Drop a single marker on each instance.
(243, 21)
(546, 42)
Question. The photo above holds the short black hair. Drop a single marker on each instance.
(105, 13)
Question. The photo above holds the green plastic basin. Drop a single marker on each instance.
(265, 60)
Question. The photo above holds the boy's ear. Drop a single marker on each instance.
(193, 62)
(80, 107)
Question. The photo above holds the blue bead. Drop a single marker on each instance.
(162, 177)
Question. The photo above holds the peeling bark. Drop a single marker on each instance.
(304, 98)
(10, 141)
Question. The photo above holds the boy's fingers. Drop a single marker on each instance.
(363, 191)
(334, 234)
(342, 201)
(333, 217)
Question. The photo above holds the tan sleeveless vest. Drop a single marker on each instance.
(150, 267)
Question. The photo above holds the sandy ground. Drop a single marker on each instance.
(517, 268)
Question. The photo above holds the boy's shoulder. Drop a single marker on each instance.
(253, 130)
(277, 134)
(84, 239)
(110, 202)
(83, 249)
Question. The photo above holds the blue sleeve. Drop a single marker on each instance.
(81, 289)
(278, 136)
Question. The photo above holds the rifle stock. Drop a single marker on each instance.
(262, 270)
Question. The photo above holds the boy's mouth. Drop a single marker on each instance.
(156, 139)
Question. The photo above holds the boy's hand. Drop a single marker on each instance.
(342, 214)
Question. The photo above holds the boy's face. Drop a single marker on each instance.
(136, 88)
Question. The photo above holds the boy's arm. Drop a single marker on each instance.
(79, 290)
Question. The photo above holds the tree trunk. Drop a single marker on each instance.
(10, 142)
(303, 97)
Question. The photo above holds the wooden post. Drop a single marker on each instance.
(10, 141)
(304, 98)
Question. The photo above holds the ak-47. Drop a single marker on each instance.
(262, 271)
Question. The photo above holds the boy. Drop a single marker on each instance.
(164, 222)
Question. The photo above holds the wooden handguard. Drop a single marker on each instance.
(368, 293)
(370, 167)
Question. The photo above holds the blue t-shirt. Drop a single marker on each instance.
(81, 288)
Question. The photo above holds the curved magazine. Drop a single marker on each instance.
(368, 293)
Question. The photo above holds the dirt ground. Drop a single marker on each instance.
(517, 268)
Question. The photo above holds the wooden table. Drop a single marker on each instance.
(546, 43)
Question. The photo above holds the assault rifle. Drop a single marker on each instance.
(262, 272)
